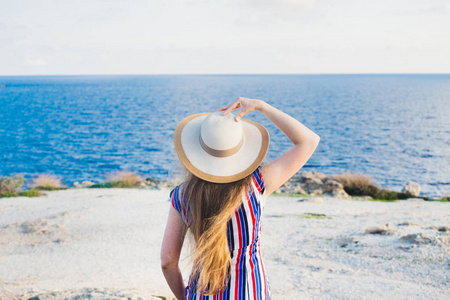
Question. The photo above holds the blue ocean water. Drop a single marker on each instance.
(395, 128)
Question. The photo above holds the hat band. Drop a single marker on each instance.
(221, 153)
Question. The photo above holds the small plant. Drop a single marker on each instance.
(386, 195)
(305, 216)
(125, 179)
(11, 184)
(380, 200)
(30, 193)
(439, 200)
(406, 195)
(103, 185)
(8, 194)
(47, 182)
(356, 184)
(313, 216)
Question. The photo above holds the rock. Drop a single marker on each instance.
(418, 239)
(330, 185)
(84, 184)
(443, 240)
(387, 230)
(424, 239)
(311, 183)
(311, 200)
(407, 248)
(290, 187)
(444, 229)
(319, 175)
(346, 241)
(412, 187)
(334, 188)
(314, 269)
(314, 184)
(341, 194)
(142, 184)
(316, 193)
(162, 184)
(169, 183)
(408, 224)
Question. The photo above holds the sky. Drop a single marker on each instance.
(83, 37)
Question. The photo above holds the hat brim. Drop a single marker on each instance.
(220, 169)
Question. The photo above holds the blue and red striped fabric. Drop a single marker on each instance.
(248, 277)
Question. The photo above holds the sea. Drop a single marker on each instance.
(395, 128)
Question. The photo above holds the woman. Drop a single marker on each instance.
(222, 200)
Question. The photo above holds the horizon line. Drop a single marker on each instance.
(219, 74)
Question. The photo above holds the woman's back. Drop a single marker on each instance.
(223, 153)
(247, 275)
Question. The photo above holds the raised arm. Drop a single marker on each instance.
(304, 141)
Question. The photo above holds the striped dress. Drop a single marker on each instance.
(248, 279)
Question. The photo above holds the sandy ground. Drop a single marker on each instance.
(107, 241)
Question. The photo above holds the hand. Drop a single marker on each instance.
(245, 104)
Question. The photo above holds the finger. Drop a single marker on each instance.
(222, 108)
(233, 106)
(239, 116)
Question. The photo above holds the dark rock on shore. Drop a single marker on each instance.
(314, 184)
(303, 182)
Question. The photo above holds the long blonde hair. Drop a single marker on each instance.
(211, 206)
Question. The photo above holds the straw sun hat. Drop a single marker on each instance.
(218, 149)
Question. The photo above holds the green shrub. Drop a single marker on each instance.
(27, 193)
(114, 184)
(313, 216)
(120, 179)
(49, 188)
(361, 190)
(125, 184)
(386, 195)
(104, 185)
(406, 195)
(8, 194)
(30, 193)
(438, 200)
(10, 184)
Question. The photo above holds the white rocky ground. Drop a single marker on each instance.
(104, 244)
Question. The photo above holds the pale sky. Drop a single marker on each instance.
(52, 37)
